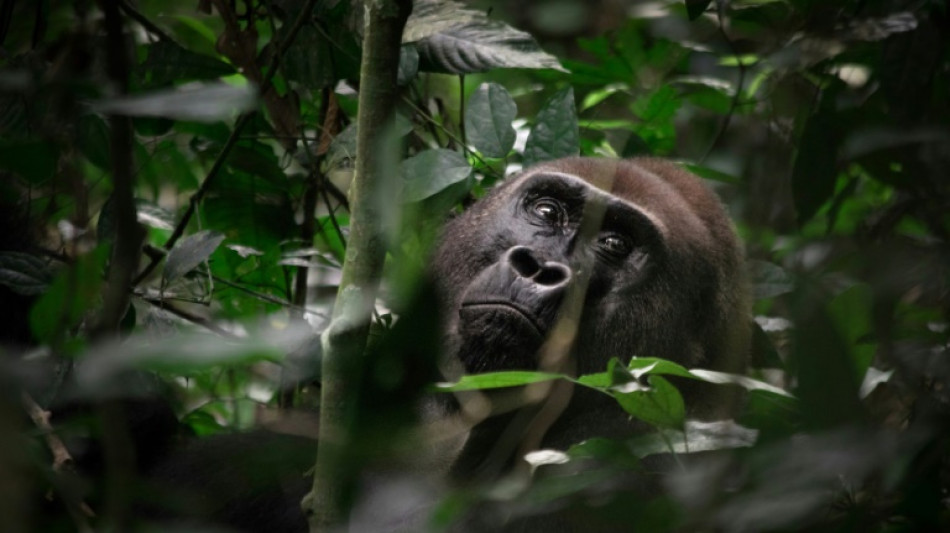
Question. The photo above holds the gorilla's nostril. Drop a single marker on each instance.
(523, 262)
(552, 274)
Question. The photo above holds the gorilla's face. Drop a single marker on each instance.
(643, 246)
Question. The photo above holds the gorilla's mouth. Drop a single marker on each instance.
(506, 309)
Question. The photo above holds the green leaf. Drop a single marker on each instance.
(555, 133)
(168, 63)
(431, 171)
(660, 405)
(74, 291)
(652, 365)
(815, 169)
(712, 174)
(769, 280)
(497, 380)
(657, 107)
(94, 141)
(695, 8)
(488, 117)
(308, 60)
(408, 64)
(200, 103)
(456, 40)
(697, 437)
(34, 161)
(723, 378)
(24, 273)
(189, 253)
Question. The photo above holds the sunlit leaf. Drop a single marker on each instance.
(497, 380)
(660, 404)
(189, 253)
(723, 378)
(201, 103)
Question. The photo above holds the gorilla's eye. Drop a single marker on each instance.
(616, 245)
(549, 210)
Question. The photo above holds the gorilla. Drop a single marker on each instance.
(630, 257)
(564, 266)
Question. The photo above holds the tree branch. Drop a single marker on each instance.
(345, 339)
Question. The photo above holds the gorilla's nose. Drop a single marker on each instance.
(527, 264)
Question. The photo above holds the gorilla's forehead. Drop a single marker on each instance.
(664, 199)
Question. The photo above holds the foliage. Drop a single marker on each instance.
(823, 125)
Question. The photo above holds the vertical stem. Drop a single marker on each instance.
(345, 339)
(117, 444)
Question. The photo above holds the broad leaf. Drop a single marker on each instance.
(723, 378)
(431, 171)
(201, 103)
(189, 253)
(488, 120)
(660, 404)
(456, 40)
(34, 161)
(555, 132)
(695, 8)
(74, 292)
(169, 63)
(497, 380)
(769, 280)
(815, 169)
(24, 273)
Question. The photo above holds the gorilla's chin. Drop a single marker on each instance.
(498, 336)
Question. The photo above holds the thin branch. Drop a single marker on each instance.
(268, 298)
(211, 326)
(242, 121)
(79, 511)
(734, 102)
(149, 26)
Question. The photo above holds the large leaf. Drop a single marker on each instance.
(660, 404)
(769, 280)
(815, 168)
(189, 253)
(431, 171)
(497, 380)
(555, 131)
(169, 63)
(695, 8)
(201, 103)
(74, 291)
(488, 120)
(456, 40)
(34, 161)
(24, 273)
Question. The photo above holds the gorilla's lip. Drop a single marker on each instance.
(509, 306)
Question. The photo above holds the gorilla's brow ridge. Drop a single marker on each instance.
(595, 191)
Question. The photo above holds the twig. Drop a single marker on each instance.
(242, 121)
(268, 298)
(734, 102)
(165, 305)
(79, 511)
(149, 26)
